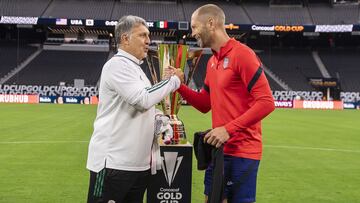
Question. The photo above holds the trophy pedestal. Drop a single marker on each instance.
(172, 184)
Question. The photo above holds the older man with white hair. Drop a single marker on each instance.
(120, 147)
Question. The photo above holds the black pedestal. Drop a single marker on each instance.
(172, 184)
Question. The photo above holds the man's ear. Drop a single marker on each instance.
(124, 39)
(211, 23)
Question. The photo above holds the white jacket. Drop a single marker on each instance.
(124, 125)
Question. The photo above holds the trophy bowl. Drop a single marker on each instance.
(178, 56)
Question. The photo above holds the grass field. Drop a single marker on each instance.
(310, 156)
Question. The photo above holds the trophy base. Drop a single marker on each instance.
(179, 135)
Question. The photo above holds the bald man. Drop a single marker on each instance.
(239, 95)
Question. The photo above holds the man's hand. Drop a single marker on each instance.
(217, 136)
(170, 71)
(179, 74)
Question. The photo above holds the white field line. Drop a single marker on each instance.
(45, 142)
(311, 148)
(266, 146)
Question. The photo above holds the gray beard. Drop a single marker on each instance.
(199, 42)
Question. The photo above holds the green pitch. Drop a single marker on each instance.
(309, 155)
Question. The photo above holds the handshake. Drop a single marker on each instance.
(170, 71)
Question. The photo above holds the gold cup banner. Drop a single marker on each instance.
(177, 56)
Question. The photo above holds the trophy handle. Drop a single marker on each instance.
(195, 57)
(150, 61)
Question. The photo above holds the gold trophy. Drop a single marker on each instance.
(178, 56)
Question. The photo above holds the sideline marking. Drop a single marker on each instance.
(270, 146)
(312, 148)
(44, 142)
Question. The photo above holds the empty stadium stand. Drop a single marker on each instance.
(33, 8)
(12, 54)
(339, 14)
(292, 66)
(273, 85)
(344, 65)
(52, 67)
(169, 11)
(80, 9)
(234, 12)
(261, 13)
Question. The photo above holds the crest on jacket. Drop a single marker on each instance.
(226, 62)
